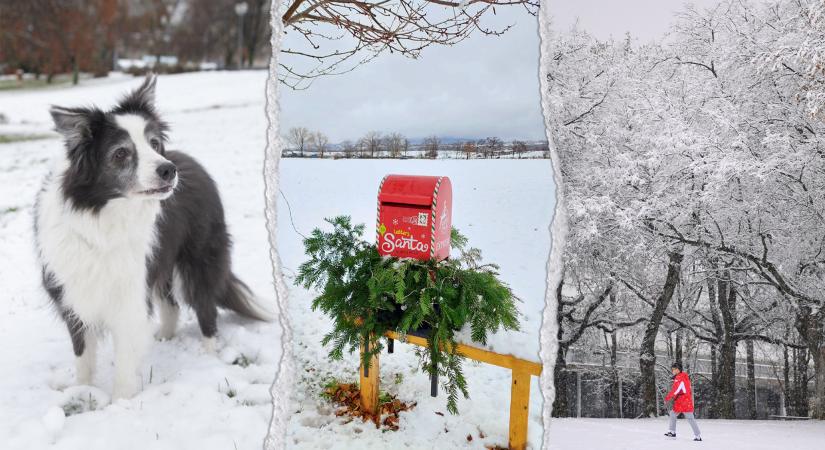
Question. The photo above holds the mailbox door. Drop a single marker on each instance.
(404, 231)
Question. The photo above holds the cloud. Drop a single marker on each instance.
(483, 86)
(644, 19)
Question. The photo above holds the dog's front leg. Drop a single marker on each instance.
(132, 335)
(87, 360)
(84, 343)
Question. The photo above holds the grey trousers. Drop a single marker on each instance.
(691, 420)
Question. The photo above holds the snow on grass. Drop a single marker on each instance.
(504, 207)
(190, 399)
(648, 434)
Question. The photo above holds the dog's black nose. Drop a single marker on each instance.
(167, 171)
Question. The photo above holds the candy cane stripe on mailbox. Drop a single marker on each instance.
(433, 219)
(378, 214)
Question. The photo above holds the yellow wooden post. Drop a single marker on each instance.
(521, 370)
(519, 408)
(369, 384)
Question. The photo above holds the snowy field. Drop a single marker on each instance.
(504, 207)
(629, 434)
(190, 399)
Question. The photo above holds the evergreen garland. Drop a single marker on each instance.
(367, 294)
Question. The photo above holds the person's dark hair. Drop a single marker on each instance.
(676, 365)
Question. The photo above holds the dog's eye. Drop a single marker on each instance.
(155, 143)
(121, 153)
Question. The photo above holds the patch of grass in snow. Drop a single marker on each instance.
(31, 83)
(399, 378)
(329, 386)
(80, 405)
(9, 138)
(384, 397)
(243, 361)
(230, 391)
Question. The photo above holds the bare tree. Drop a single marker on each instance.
(519, 148)
(431, 145)
(320, 142)
(298, 138)
(349, 148)
(492, 147)
(336, 36)
(256, 29)
(394, 143)
(469, 149)
(58, 36)
(371, 144)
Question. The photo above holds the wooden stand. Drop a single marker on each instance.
(369, 384)
(521, 369)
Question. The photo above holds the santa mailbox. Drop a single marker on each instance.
(414, 217)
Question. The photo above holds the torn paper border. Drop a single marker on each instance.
(276, 435)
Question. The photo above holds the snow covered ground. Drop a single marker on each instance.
(191, 399)
(504, 207)
(630, 434)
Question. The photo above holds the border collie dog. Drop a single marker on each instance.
(125, 227)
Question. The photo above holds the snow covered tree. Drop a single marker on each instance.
(691, 168)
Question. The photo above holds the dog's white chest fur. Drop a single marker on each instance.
(99, 259)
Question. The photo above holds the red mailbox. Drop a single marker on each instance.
(414, 218)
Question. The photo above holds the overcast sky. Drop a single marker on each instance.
(483, 86)
(644, 19)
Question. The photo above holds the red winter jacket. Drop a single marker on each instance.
(682, 392)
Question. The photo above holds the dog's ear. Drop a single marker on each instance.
(146, 91)
(142, 98)
(72, 123)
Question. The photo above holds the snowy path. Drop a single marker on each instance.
(504, 207)
(628, 434)
(191, 400)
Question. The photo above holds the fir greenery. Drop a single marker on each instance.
(366, 295)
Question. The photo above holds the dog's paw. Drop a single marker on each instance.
(164, 334)
(124, 390)
(210, 345)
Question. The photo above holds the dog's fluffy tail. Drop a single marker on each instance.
(239, 298)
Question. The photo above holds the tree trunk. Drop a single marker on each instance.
(647, 355)
(678, 350)
(800, 377)
(714, 348)
(727, 359)
(751, 381)
(786, 379)
(614, 359)
(75, 71)
(561, 405)
(714, 382)
(811, 326)
(819, 384)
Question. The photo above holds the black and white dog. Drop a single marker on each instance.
(124, 226)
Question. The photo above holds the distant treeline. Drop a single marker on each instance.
(304, 143)
(50, 37)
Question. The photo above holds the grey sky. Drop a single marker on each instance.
(645, 19)
(484, 86)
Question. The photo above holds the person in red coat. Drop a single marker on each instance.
(682, 396)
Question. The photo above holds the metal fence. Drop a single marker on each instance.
(593, 390)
